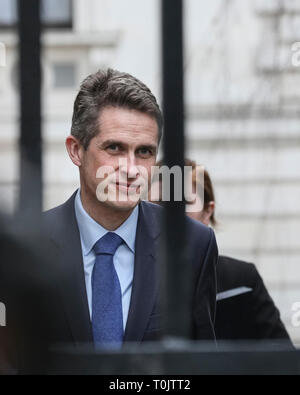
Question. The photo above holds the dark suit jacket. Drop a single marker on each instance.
(72, 321)
(247, 311)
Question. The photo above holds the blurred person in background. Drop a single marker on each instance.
(245, 310)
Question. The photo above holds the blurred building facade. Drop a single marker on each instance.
(242, 113)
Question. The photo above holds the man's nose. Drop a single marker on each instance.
(131, 167)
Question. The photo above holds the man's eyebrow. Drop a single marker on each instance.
(112, 142)
(149, 146)
(106, 143)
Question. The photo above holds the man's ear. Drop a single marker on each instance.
(75, 150)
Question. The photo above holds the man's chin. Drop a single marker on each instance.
(122, 205)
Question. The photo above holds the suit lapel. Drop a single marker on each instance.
(71, 279)
(145, 280)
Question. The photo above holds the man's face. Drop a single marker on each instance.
(127, 141)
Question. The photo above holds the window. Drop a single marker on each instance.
(54, 13)
(64, 75)
(8, 12)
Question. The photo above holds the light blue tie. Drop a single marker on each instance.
(107, 315)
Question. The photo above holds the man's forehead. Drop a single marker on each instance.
(123, 113)
(119, 123)
(120, 115)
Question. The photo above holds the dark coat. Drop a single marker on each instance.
(245, 309)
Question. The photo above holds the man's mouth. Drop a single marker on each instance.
(123, 184)
(127, 186)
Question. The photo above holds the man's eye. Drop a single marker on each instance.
(145, 151)
(114, 147)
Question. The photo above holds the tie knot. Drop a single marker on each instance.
(108, 244)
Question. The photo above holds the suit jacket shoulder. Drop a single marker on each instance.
(235, 273)
(58, 217)
(199, 237)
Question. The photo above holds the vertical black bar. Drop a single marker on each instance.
(177, 267)
(30, 105)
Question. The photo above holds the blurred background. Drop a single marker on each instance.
(242, 112)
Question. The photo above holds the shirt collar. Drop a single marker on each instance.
(91, 231)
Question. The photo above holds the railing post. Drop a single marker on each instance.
(177, 273)
(29, 28)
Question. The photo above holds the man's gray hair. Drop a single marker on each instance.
(110, 88)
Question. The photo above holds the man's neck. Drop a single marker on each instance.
(109, 217)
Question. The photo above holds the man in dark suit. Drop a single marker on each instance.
(103, 241)
(95, 277)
